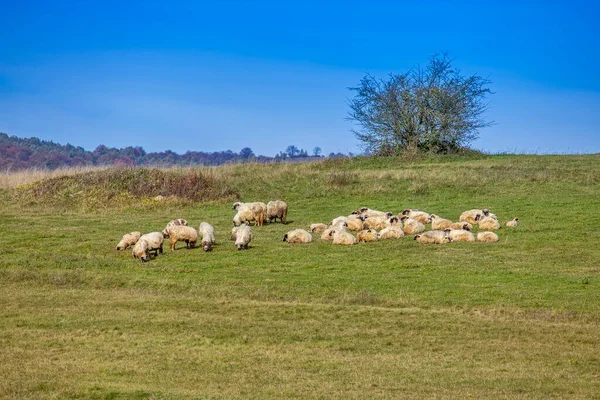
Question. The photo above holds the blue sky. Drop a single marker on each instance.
(210, 76)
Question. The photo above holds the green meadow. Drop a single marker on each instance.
(519, 318)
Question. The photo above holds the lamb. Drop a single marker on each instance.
(412, 226)
(417, 215)
(152, 241)
(342, 237)
(128, 239)
(433, 237)
(489, 223)
(487, 236)
(459, 235)
(247, 212)
(391, 232)
(297, 236)
(367, 235)
(243, 237)
(511, 224)
(277, 209)
(175, 222)
(461, 225)
(470, 216)
(207, 233)
(317, 228)
(182, 233)
(439, 223)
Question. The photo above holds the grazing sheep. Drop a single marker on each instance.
(297, 236)
(128, 239)
(512, 223)
(461, 225)
(489, 237)
(243, 237)
(417, 215)
(247, 212)
(439, 223)
(489, 223)
(459, 235)
(182, 233)
(207, 233)
(342, 237)
(391, 232)
(317, 228)
(433, 237)
(277, 209)
(234, 231)
(470, 216)
(152, 241)
(412, 226)
(367, 235)
(175, 222)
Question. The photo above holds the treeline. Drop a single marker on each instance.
(22, 153)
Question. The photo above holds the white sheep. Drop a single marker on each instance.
(470, 216)
(182, 233)
(412, 226)
(248, 212)
(356, 224)
(152, 241)
(417, 215)
(459, 235)
(128, 239)
(368, 212)
(513, 223)
(461, 225)
(439, 223)
(317, 228)
(488, 223)
(207, 235)
(433, 237)
(342, 237)
(391, 232)
(297, 236)
(175, 222)
(489, 237)
(367, 235)
(243, 237)
(277, 209)
(377, 222)
(327, 234)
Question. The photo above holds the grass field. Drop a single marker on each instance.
(394, 319)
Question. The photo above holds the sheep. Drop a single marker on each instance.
(368, 212)
(377, 222)
(175, 222)
(488, 223)
(470, 216)
(338, 220)
(277, 209)
(367, 235)
(439, 223)
(317, 228)
(152, 241)
(182, 233)
(128, 239)
(513, 223)
(391, 232)
(459, 235)
(327, 234)
(243, 237)
(342, 237)
(297, 236)
(356, 224)
(417, 215)
(461, 225)
(234, 231)
(412, 226)
(433, 237)
(488, 236)
(207, 233)
(247, 212)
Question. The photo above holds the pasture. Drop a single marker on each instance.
(393, 319)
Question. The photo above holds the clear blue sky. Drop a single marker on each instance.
(218, 75)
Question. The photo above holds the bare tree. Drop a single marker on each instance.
(432, 109)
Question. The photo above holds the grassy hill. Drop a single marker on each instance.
(517, 318)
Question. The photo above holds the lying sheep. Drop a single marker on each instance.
(327, 234)
(439, 223)
(391, 232)
(470, 216)
(342, 237)
(207, 234)
(489, 237)
(461, 225)
(248, 212)
(377, 222)
(433, 237)
(356, 224)
(317, 228)
(368, 212)
(175, 222)
(182, 233)
(128, 239)
(297, 236)
(417, 215)
(243, 237)
(277, 209)
(459, 235)
(488, 223)
(152, 241)
(412, 226)
(367, 235)
(511, 224)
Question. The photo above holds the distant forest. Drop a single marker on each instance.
(22, 153)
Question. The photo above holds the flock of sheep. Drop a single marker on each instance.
(370, 225)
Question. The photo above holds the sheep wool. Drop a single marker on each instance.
(489, 223)
(342, 237)
(433, 237)
(207, 233)
(367, 235)
(182, 233)
(412, 226)
(277, 209)
(297, 236)
(391, 232)
(152, 241)
(439, 223)
(175, 222)
(470, 216)
(459, 235)
(489, 237)
(417, 215)
(128, 239)
(243, 237)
